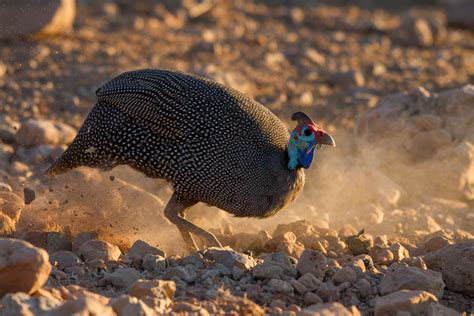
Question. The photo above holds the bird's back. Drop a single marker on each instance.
(216, 145)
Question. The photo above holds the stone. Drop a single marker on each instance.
(140, 248)
(381, 256)
(455, 264)
(154, 263)
(280, 286)
(312, 261)
(123, 277)
(311, 298)
(187, 274)
(459, 13)
(329, 309)
(125, 305)
(300, 228)
(399, 252)
(360, 244)
(155, 288)
(437, 242)
(51, 241)
(63, 259)
(11, 205)
(81, 238)
(98, 249)
(328, 292)
(346, 231)
(275, 266)
(7, 226)
(286, 243)
(29, 195)
(347, 79)
(412, 302)
(23, 267)
(412, 278)
(231, 259)
(23, 304)
(38, 132)
(310, 282)
(84, 305)
(345, 274)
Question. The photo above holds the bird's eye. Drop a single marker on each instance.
(307, 132)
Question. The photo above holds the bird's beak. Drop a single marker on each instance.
(327, 139)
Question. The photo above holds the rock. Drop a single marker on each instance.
(412, 278)
(416, 262)
(51, 241)
(286, 243)
(140, 248)
(280, 286)
(459, 13)
(345, 274)
(381, 256)
(38, 132)
(154, 288)
(45, 19)
(81, 238)
(154, 263)
(84, 305)
(98, 249)
(329, 309)
(311, 298)
(187, 274)
(399, 252)
(29, 195)
(11, 205)
(360, 244)
(312, 261)
(22, 304)
(63, 259)
(455, 264)
(230, 258)
(328, 292)
(347, 79)
(122, 277)
(413, 302)
(125, 305)
(437, 242)
(299, 228)
(347, 230)
(306, 283)
(275, 266)
(23, 267)
(7, 226)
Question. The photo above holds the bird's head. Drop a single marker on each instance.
(304, 139)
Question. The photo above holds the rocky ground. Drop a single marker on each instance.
(385, 224)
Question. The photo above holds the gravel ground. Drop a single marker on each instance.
(384, 226)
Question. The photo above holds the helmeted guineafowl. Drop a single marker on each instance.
(214, 144)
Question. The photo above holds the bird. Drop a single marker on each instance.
(214, 144)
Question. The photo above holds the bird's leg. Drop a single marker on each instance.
(175, 211)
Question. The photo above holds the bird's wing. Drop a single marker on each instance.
(153, 97)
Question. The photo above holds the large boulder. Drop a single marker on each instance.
(23, 267)
(455, 262)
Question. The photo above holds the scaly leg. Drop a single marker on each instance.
(175, 212)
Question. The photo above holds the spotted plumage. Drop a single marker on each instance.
(214, 144)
